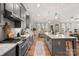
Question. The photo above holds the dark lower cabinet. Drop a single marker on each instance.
(11, 52)
(49, 43)
(58, 47)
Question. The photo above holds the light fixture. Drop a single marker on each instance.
(38, 5)
(56, 16)
(38, 15)
(72, 18)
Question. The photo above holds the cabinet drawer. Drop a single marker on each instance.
(59, 47)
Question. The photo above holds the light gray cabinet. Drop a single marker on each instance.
(1, 13)
(16, 9)
(49, 43)
(9, 6)
(18, 13)
(58, 46)
(29, 42)
(27, 21)
(23, 11)
(11, 52)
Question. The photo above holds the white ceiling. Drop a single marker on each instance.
(47, 11)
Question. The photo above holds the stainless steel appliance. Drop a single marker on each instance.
(22, 47)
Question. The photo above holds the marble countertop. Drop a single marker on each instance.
(4, 48)
(59, 36)
(23, 36)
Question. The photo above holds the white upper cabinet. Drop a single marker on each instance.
(16, 9)
(9, 7)
(1, 13)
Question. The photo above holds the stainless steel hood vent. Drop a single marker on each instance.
(11, 16)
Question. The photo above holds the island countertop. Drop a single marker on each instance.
(4, 48)
(59, 36)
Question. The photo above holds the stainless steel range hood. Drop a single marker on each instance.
(11, 16)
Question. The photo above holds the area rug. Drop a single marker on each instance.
(39, 49)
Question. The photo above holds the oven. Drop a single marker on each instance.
(22, 48)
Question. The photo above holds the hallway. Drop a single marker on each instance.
(39, 48)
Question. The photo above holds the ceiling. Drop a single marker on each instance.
(42, 12)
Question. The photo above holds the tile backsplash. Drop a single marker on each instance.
(15, 31)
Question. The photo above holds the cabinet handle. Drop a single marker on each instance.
(59, 43)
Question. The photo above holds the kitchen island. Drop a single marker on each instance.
(60, 45)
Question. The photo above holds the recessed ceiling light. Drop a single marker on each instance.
(38, 5)
(38, 15)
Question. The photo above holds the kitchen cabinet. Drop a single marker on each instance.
(49, 43)
(23, 17)
(59, 46)
(23, 11)
(27, 21)
(16, 9)
(15, 12)
(9, 6)
(1, 13)
(11, 52)
(29, 42)
(25, 45)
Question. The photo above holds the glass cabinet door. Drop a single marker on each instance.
(56, 28)
(63, 28)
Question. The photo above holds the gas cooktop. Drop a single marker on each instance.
(10, 41)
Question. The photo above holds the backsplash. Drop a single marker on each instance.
(2, 36)
(15, 31)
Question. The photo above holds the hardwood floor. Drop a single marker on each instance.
(32, 49)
